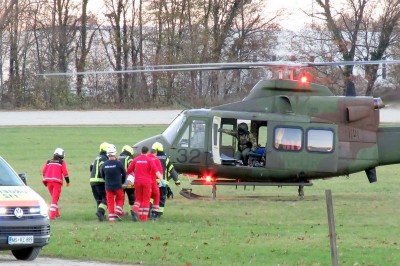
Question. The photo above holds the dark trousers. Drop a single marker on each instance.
(99, 194)
(130, 193)
(163, 198)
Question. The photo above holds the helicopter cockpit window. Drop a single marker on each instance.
(184, 141)
(172, 130)
(194, 135)
(320, 140)
(288, 139)
(197, 134)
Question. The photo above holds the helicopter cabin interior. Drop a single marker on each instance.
(229, 143)
(273, 138)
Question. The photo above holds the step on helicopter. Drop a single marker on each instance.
(302, 132)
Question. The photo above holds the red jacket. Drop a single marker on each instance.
(54, 171)
(158, 165)
(144, 168)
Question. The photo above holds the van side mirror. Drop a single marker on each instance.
(23, 177)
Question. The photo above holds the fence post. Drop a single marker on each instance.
(331, 222)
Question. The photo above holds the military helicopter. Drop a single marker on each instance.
(303, 131)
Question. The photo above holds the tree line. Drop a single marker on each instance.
(61, 36)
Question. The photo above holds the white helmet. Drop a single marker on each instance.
(111, 150)
(59, 152)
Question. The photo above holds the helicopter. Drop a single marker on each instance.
(302, 130)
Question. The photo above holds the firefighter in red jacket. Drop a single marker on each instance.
(54, 171)
(144, 168)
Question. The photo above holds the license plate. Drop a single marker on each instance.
(12, 240)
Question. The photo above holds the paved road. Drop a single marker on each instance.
(124, 117)
(40, 261)
(60, 118)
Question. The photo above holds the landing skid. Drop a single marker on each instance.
(187, 193)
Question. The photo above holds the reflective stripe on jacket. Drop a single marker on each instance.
(54, 171)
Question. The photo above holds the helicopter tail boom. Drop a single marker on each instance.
(388, 145)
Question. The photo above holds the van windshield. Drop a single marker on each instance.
(8, 177)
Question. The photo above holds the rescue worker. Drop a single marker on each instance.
(126, 158)
(155, 191)
(168, 174)
(144, 168)
(54, 172)
(246, 142)
(97, 182)
(114, 175)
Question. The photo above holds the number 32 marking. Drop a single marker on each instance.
(191, 156)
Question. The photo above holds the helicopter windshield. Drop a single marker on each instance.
(172, 130)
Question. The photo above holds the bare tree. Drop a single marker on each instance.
(344, 26)
(7, 7)
(117, 12)
(5, 11)
(380, 34)
(19, 44)
(83, 47)
(361, 31)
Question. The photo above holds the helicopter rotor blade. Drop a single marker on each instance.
(284, 65)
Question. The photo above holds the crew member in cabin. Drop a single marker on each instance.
(246, 142)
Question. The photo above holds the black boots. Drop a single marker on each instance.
(100, 215)
(135, 216)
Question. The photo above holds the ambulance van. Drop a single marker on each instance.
(24, 221)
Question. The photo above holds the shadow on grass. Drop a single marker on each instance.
(256, 197)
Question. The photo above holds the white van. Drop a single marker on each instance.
(24, 220)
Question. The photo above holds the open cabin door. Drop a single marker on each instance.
(304, 147)
(216, 140)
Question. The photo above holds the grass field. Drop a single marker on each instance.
(268, 226)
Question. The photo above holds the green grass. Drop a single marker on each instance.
(268, 226)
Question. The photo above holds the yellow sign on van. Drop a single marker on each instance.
(15, 196)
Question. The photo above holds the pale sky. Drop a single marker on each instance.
(296, 18)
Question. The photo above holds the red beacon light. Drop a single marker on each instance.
(208, 179)
(303, 79)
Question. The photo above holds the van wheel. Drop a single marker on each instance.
(26, 253)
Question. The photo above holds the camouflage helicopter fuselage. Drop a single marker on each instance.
(304, 131)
